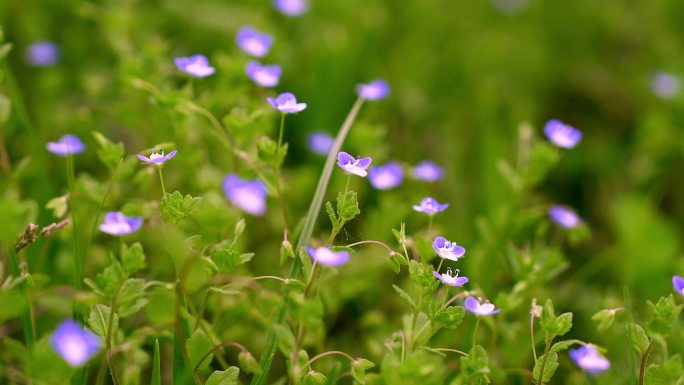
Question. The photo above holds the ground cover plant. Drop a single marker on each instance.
(341, 192)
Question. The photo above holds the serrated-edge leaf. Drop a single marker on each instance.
(405, 296)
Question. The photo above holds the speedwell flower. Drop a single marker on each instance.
(327, 257)
(665, 85)
(291, 7)
(427, 171)
(589, 359)
(286, 103)
(448, 250)
(387, 176)
(451, 280)
(254, 42)
(430, 206)
(66, 145)
(263, 75)
(116, 223)
(678, 283)
(320, 142)
(156, 158)
(476, 306)
(42, 54)
(248, 195)
(561, 134)
(352, 165)
(74, 344)
(376, 90)
(195, 66)
(563, 216)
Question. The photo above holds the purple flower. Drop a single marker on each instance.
(589, 359)
(430, 206)
(287, 103)
(291, 7)
(156, 158)
(387, 176)
(427, 171)
(376, 90)
(352, 165)
(116, 223)
(450, 280)
(561, 134)
(248, 195)
(42, 54)
(678, 283)
(476, 306)
(320, 142)
(66, 145)
(195, 65)
(448, 250)
(563, 216)
(263, 75)
(74, 344)
(254, 42)
(665, 85)
(327, 257)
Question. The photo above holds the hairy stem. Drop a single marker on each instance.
(644, 360)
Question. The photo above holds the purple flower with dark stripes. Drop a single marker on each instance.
(291, 7)
(449, 279)
(352, 165)
(430, 206)
(564, 216)
(476, 306)
(387, 176)
(427, 171)
(327, 257)
(195, 66)
(589, 359)
(42, 54)
(448, 250)
(320, 142)
(561, 134)
(678, 284)
(74, 344)
(249, 195)
(286, 103)
(254, 42)
(66, 145)
(156, 158)
(376, 90)
(665, 85)
(264, 75)
(116, 223)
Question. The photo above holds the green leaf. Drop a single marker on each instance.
(315, 378)
(174, 206)
(224, 377)
(554, 326)
(358, 369)
(638, 337)
(286, 339)
(562, 345)
(663, 314)
(549, 367)
(248, 363)
(98, 321)
(450, 317)
(405, 296)
(110, 153)
(331, 214)
(228, 258)
(267, 150)
(604, 318)
(564, 323)
(198, 345)
(347, 206)
(133, 258)
(156, 365)
(130, 297)
(475, 366)
(58, 205)
(111, 278)
(666, 373)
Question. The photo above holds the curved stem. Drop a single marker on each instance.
(217, 347)
(534, 350)
(161, 179)
(285, 281)
(543, 365)
(370, 241)
(644, 360)
(454, 298)
(449, 350)
(330, 353)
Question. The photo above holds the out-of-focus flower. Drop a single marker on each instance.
(248, 195)
(561, 134)
(352, 165)
(427, 171)
(195, 65)
(678, 284)
(74, 344)
(286, 103)
(156, 158)
(254, 42)
(387, 176)
(263, 75)
(665, 85)
(476, 306)
(116, 223)
(376, 90)
(320, 142)
(327, 257)
(430, 206)
(291, 7)
(66, 145)
(589, 359)
(448, 250)
(451, 280)
(563, 216)
(42, 54)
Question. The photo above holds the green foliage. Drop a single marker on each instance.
(132, 258)
(604, 318)
(174, 206)
(637, 337)
(198, 345)
(99, 320)
(475, 366)
(248, 363)
(314, 378)
(550, 364)
(224, 377)
(110, 153)
(663, 314)
(552, 325)
(358, 369)
(450, 317)
(669, 372)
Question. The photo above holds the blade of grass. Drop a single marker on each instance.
(156, 365)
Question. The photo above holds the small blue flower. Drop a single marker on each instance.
(451, 280)
(427, 171)
(195, 66)
(352, 165)
(430, 206)
(448, 250)
(287, 103)
(320, 142)
(116, 223)
(387, 176)
(561, 134)
(42, 54)
(263, 75)
(249, 195)
(327, 257)
(476, 306)
(291, 7)
(665, 85)
(589, 359)
(75, 344)
(678, 283)
(66, 145)
(376, 90)
(254, 42)
(564, 216)
(156, 158)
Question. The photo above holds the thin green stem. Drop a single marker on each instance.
(430, 225)
(161, 179)
(370, 241)
(477, 325)
(78, 261)
(441, 261)
(543, 365)
(330, 353)
(280, 134)
(449, 350)
(346, 187)
(534, 350)
(217, 347)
